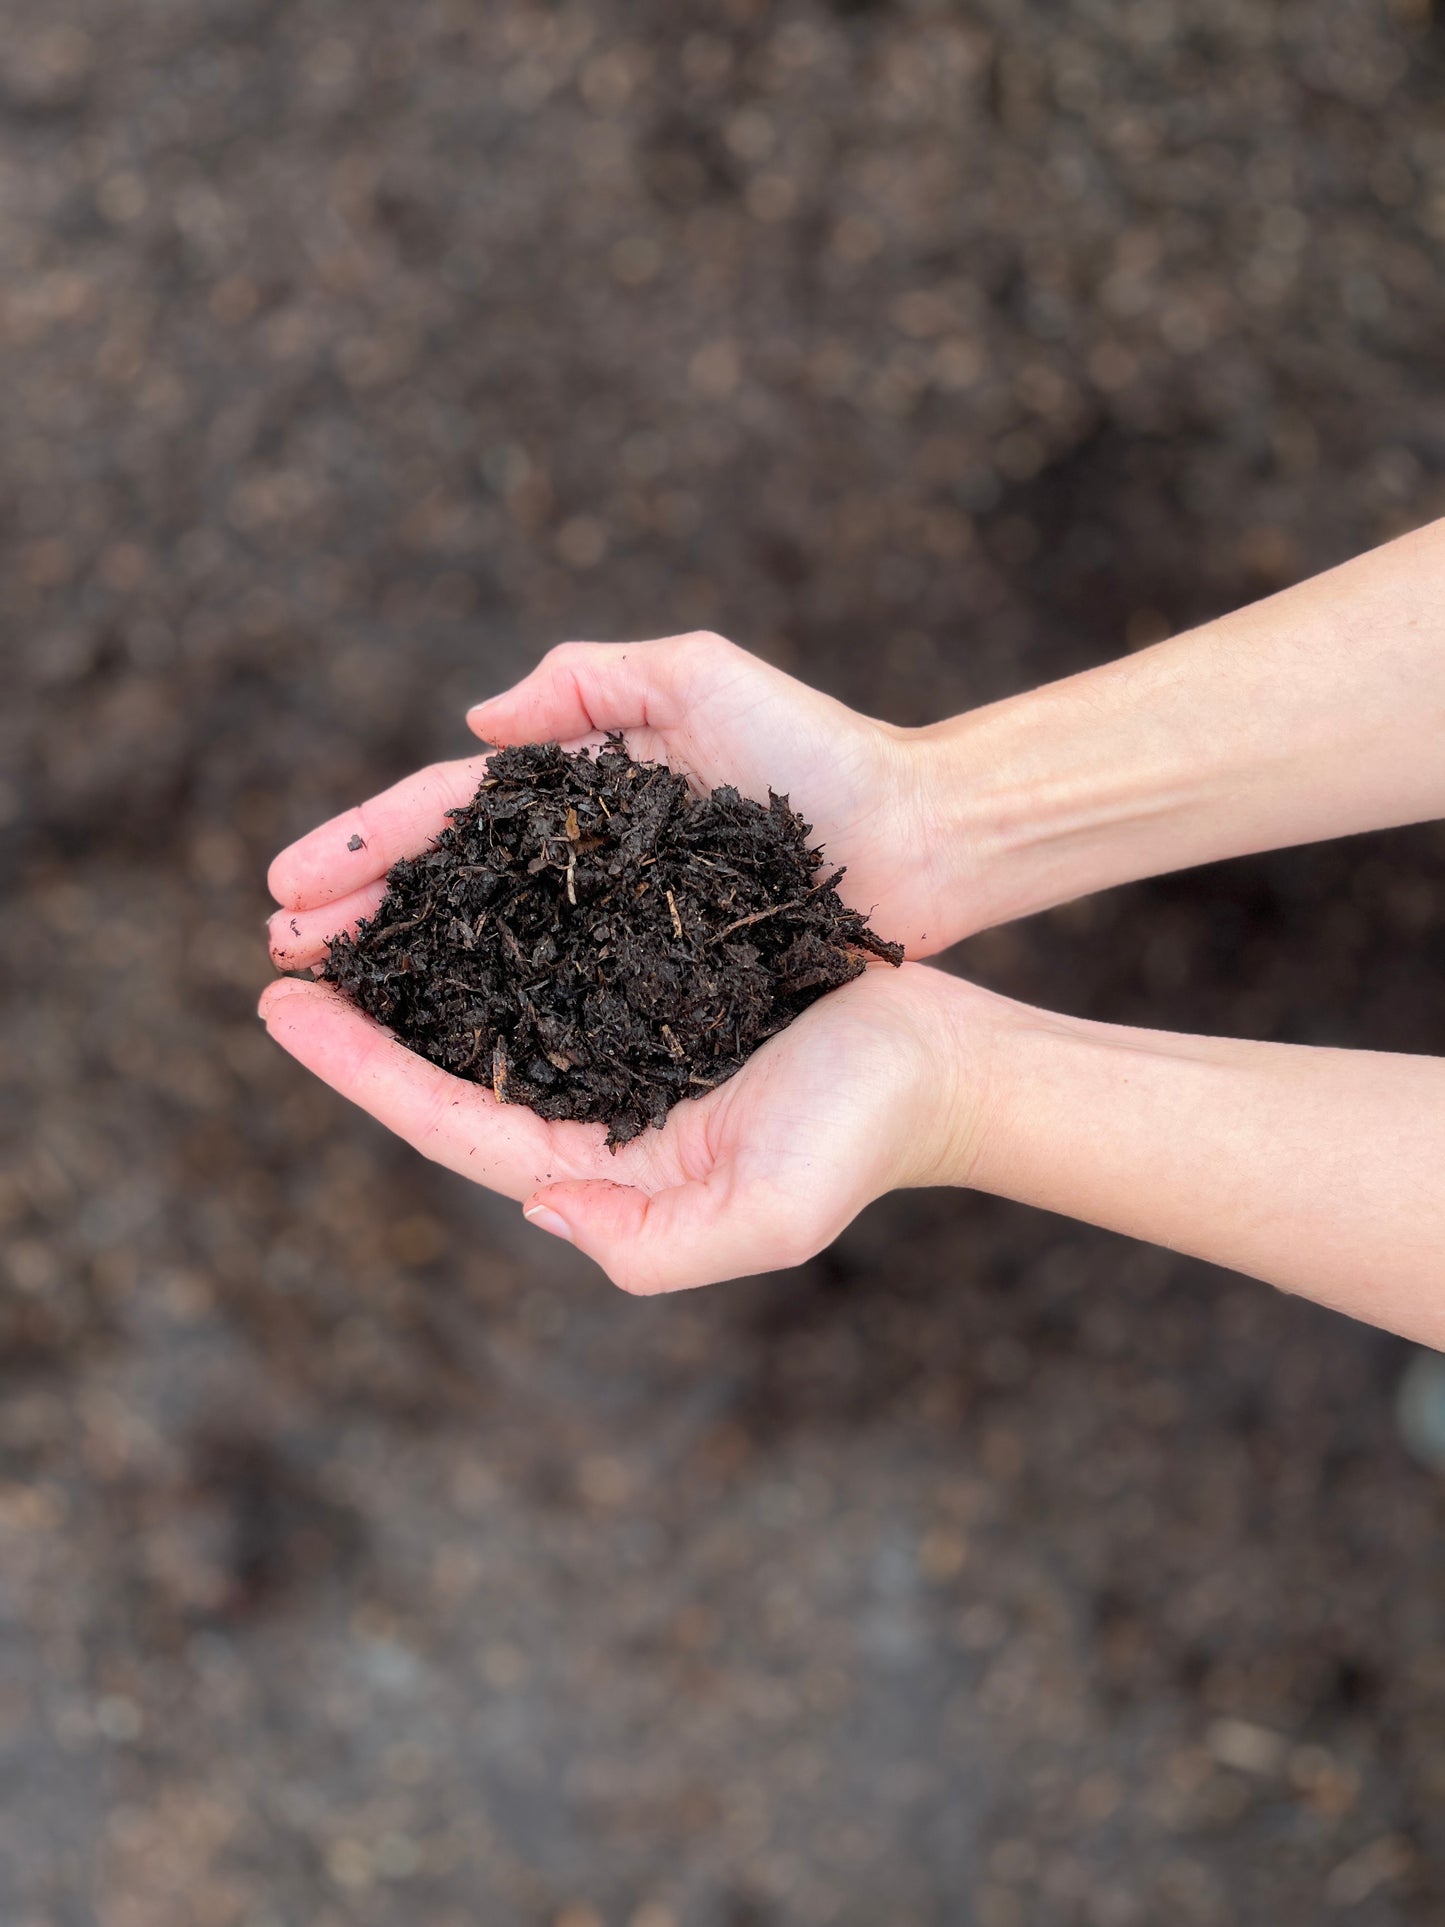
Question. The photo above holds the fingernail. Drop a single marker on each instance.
(546, 1220)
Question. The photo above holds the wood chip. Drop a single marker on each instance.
(676, 919)
(499, 1071)
(410, 923)
(774, 910)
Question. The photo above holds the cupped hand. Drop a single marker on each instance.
(697, 703)
(850, 1101)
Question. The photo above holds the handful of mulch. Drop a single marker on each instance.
(596, 942)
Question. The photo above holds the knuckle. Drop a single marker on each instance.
(639, 1274)
(705, 644)
(629, 1277)
(566, 655)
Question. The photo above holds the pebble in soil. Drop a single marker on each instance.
(592, 939)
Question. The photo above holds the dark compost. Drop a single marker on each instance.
(595, 941)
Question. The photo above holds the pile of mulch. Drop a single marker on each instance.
(595, 941)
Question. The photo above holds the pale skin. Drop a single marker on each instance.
(1315, 714)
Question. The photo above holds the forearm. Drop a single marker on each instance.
(1321, 1171)
(1317, 713)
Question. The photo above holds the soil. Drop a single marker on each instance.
(367, 1560)
(596, 942)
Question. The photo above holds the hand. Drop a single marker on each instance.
(850, 1101)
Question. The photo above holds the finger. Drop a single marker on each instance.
(299, 938)
(457, 1124)
(581, 688)
(323, 867)
(695, 1233)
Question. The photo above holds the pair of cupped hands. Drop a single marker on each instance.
(859, 1096)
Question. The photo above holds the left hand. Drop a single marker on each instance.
(851, 1100)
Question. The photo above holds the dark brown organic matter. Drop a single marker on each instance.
(593, 940)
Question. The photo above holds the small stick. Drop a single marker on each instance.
(511, 942)
(572, 876)
(672, 1043)
(410, 924)
(741, 923)
(776, 910)
(499, 1071)
(676, 919)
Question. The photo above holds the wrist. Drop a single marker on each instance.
(994, 793)
(962, 837)
(1052, 795)
(959, 1033)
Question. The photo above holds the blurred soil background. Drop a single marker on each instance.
(364, 1558)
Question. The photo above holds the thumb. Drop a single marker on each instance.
(689, 1234)
(580, 688)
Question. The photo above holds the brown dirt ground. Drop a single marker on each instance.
(363, 1558)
